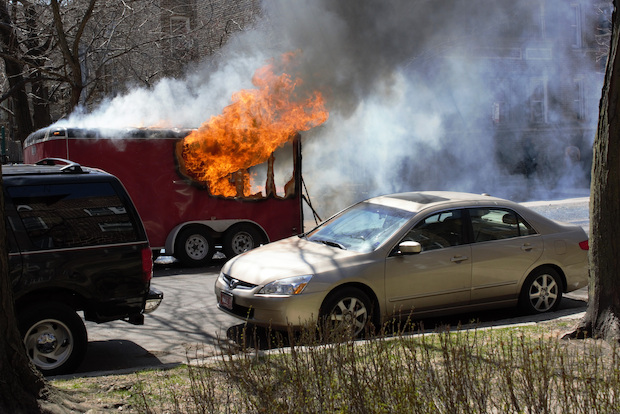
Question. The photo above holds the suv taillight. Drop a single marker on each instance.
(585, 245)
(147, 264)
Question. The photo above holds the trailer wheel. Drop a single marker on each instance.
(241, 238)
(194, 246)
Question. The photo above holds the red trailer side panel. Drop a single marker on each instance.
(164, 199)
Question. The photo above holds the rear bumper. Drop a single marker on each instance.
(153, 300)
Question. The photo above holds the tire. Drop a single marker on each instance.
(541, 292)
(241, 238)
(55, 337)
(194, 246)
(347, 311)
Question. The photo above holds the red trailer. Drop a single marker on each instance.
(180, 214)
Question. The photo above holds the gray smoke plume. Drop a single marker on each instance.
(411, 88)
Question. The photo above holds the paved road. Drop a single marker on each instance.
(189, 324)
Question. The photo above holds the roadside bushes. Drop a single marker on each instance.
(508, 370)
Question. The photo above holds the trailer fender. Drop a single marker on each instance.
(217, 226)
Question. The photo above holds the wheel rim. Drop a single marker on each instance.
(49, 344)
(242, 242)
(543, 293)
(351, 314)
(196, 247)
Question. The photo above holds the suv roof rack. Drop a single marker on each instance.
(70, 167)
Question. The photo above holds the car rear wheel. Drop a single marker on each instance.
(347, 311)
(194, 246)
(542, 291)
(55, 337)
(241, 238)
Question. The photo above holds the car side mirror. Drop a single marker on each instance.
(409, 247)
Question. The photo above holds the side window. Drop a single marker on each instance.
(497, 224)
(72, 215)
(439, 230)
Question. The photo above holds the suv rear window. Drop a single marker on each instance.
(73, 215)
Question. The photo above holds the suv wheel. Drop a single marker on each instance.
(55, 337)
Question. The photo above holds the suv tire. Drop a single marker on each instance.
(55, 337)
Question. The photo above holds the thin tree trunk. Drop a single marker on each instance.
(14, 73)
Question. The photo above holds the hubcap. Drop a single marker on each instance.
(196, 247)
(49, 344)
(543, 293)
(350, 314)
(242, 242)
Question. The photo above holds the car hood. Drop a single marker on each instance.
(294, 256)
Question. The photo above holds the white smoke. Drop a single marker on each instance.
(410, 99)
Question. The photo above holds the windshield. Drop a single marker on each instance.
(361, 228)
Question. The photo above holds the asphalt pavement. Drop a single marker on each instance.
(188, 326)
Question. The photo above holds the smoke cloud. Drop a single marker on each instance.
(413, 89)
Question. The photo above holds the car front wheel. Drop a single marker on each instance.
(541, 292)
(55, 337)
(347, 311)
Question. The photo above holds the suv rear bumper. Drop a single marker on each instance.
(153, 300)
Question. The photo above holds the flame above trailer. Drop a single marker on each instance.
(249, 130)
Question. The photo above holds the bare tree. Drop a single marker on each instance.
(602, 318)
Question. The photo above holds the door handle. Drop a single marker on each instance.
(458, 259)
(527, 247)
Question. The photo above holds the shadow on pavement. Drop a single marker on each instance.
(117, 355)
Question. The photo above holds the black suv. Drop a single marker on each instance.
(76, 243)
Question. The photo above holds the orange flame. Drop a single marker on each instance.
(249, 130)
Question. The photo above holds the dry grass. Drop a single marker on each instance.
(509, 370)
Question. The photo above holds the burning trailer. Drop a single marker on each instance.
(234, 182)
(187, 212)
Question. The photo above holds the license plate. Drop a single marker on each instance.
(226, 300)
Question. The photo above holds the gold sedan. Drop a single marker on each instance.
(422, 253)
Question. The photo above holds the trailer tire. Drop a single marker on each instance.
(194, 246)
(240, 238)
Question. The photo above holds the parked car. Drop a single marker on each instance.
(418, 254)
(76, 243)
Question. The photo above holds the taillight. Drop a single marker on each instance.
(584, 245)
(147, 264)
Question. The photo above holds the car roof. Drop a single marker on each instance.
(430, 201)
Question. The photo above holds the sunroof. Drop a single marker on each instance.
(419, 198)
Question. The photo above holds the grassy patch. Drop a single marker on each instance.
(508, 370)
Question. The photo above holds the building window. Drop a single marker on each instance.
(500, 112)
(575, 25)
(578, 99)
(538, 100)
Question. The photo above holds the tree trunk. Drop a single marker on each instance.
(20, 385)
(602, 318)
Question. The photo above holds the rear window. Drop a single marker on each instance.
(73, 215)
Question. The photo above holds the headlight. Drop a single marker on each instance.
(288, 286)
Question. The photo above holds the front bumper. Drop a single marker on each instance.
(278, 312)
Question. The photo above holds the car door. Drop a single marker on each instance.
(440, 275)
(504, 248)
